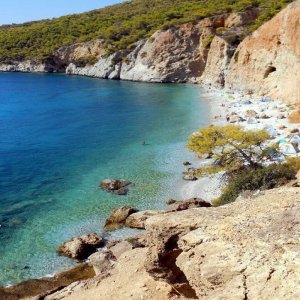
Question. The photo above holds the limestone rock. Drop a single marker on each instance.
(120, 248)
(115, 186)
(81, 247)
(102, 261)
(188, 204)
(269, 56)
(118, 217)
(137, 220)
(240, 250)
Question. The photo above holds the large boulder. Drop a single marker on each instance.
(137, 220)
(81, 247)
(115, 186)
(118, 217)
(188, 204)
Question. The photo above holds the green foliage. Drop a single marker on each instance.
(256, 179)
(120, 25)
(86, 61)
(207, 41)
(231, 147)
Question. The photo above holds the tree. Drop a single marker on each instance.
(231, 147)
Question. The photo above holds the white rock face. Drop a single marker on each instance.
(26, 66)
(104, 68)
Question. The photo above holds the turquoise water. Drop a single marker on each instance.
(60, 136)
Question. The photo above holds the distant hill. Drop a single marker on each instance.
(120, 25)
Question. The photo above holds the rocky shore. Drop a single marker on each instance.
(190, 239)
(244, 250)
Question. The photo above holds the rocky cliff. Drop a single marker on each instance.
(212, 51)
(184, 53)
(245, 250)
(268, 61)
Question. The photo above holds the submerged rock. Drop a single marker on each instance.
(118, 217)
(115, 186)
(81, 247)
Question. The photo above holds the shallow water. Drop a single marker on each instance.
(60, 136)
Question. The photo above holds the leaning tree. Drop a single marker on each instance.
(231, 147)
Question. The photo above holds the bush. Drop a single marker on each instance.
(257, 179)
(207, 41)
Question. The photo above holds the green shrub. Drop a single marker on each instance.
(207, 41)
(256, 179)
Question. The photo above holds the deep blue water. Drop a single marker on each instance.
(60, 136)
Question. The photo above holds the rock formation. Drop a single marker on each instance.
(118, 217)
(245, 250)
(267, 62)
(81, 247)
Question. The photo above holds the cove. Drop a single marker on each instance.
(60, 136)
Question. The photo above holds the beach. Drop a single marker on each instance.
(252, 112)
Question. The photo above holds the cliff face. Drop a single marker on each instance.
(268, 61)
(178, 54)
(208, 52)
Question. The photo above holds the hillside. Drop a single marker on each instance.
(119, 26)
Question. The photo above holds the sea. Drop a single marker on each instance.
(60, 136)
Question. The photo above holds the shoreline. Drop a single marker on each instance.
(219, 105)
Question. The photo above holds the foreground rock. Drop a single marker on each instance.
(246, 250)
(118, 217)
(115, 186)
(243, 249)
(81, 247)
(44, 286)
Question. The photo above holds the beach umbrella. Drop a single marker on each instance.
(252, 121)
(287, 149)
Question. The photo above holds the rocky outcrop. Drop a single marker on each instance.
(245, 250)
(81, 247)
(177, 54)
(188, 204)
(267, 62)
(118, 217)
(115, 186)
(76, 52)
(137, 220)
(26, 67)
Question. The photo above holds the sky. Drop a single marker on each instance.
(19, 11)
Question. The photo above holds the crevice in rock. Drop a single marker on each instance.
(269, 70)
(174, 275)
(245, 287)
